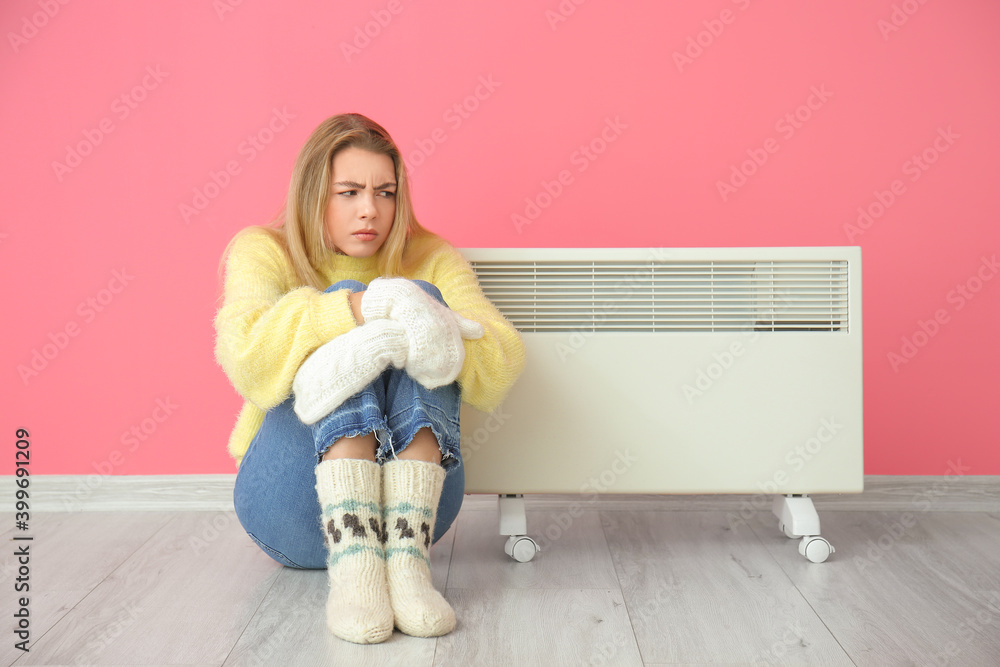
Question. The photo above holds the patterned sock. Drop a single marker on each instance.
(349, 492)
(411, 490)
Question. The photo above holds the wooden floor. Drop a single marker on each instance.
(617, 583)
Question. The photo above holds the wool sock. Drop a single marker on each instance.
(349, 492)
(411, 490)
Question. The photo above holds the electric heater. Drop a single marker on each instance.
(674, 371)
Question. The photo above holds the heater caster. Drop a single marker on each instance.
(797, 518)
(521, 548)
(514, 523)
(815, 548)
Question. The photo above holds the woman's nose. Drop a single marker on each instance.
(367, 206)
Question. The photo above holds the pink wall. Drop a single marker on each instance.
(111, 281)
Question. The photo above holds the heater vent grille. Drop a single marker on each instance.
(664, 296)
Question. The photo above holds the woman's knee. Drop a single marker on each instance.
(358, 286)
(452, 495)
(280, 517)
(353, 285)
(430, 288)
(292, 546)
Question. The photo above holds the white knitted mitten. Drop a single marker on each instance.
(347, 364)
(434, 331)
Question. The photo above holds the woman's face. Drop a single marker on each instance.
(362, 202)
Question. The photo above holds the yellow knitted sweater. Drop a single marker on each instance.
(268, 324)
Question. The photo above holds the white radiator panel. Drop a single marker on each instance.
(667, 386)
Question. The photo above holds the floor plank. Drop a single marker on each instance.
(699, 591)
(614, 585)
(183, 598)
(506, 609)
(574, 553)
(905, 587)
(70, 555)
(543, 626)
(441, 553)
(290, 628)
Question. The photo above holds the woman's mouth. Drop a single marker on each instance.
(365, 236)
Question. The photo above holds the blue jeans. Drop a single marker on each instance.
(275, 493)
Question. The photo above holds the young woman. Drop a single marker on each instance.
(354, 334)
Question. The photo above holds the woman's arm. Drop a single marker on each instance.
(493, 362)
(355, 301)
(264, 329)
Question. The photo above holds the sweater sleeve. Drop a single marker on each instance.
(266, 328)
(493, 362)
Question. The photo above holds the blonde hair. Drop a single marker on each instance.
(301, 230)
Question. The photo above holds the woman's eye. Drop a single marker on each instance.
(387, 193)
(348, 192)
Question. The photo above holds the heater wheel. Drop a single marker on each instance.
(797, 518)
(815, 548)
(521, 548)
